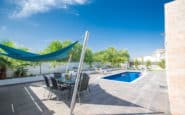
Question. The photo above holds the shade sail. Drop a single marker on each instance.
(14, 51)
(27, 56)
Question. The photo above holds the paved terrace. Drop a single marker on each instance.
(146, 96)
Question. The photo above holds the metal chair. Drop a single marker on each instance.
(47, 85)
(56, 87)
(83, 84)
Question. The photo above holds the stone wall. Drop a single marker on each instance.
(175, 54)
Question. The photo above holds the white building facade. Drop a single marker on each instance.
(157, 56)
(175, 54)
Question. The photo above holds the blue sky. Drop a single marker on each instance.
(135, 25)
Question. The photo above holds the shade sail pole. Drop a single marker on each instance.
(40, 68)
(69, 60)
(78, 72)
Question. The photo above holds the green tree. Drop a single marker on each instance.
(162, 64)
(13, 63)
(148, 63)
(112, 56)
(66, 43)
(99, 57)
(76, 52)
(123, 56)
(88, 56)
(53, 46)
(136, 63)
(3, 67)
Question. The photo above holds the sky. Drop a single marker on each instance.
(134, 25)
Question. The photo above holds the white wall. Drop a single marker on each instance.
(175, 54)
(46, 68)
(9, 72)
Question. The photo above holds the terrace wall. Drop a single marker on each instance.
(46, 68)
(175, 54)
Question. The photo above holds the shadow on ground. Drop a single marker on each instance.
(96, 96)
(99, 96)
(16, 97)
(46, 110)
(147, 113)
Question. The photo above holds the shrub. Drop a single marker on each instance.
(162, 64)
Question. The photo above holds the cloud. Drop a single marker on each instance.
(26, 8)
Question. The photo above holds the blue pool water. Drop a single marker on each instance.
(125, 77)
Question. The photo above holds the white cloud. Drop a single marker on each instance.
(26, 8)
(80, 1)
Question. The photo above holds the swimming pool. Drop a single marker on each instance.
(125, 77)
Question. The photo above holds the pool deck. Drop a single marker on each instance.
(147, 95)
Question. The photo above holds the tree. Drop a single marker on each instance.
(10, 62)
(123, 56)
(136, 63)
(66, 43)
(53, 46)
(14, 62)
(162, 64)
(111, 55)
(88, 56)
(148, 63)
(3, 67)
(99, 57)
(76, 52)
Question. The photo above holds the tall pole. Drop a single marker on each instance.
(78, 72)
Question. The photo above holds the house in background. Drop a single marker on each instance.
(159, 54)
(156, 57)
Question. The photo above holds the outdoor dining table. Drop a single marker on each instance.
(63, 80)
(68, 82)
